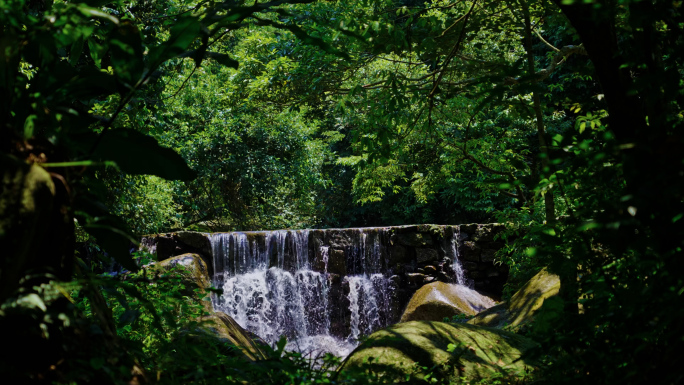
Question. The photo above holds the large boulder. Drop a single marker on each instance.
(453, 352)
(223, 327)
(523, 305)
(194, 273)
(435, 301)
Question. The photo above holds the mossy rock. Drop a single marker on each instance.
(227, 330)
(523, 305)
(439, 300)
(402, 352)
(196, 240)
(196, 274)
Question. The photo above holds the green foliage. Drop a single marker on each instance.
(559, 119)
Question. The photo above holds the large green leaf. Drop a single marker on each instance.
(137, 153)
(127, 54)
(110, 231)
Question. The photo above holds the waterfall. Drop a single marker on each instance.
(367, 299)
(325, 256)
(455, 261)
(270, 288)
(325, 290)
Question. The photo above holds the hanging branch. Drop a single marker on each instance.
(558, 59)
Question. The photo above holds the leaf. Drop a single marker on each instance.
(518, 164)
(182, 34)
(32, 300)
(137, 153)
(127, 54)
(76, 50)
(113, 238)
(280, 346)
(29, 125)
(95, 52)
(93, 12)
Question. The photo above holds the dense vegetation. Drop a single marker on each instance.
(119, 118)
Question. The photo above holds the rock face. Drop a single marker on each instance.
(438, 300)
(223, 327)
(523, 305)
(401, 350)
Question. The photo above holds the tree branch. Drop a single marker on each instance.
(560, 56)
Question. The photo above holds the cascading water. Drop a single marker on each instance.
(455, 262)
(367, 299)
(270, 289)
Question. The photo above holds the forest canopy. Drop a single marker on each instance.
(558, 118)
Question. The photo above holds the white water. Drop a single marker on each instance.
(367, 297)
(289, 299)
(455, 262)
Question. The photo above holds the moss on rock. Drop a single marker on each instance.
(455, 352)
(224, 327)
(196, 274)
(438, 300)
(523, 305)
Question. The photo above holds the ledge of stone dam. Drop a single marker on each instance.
(413, 254)
(324, 289)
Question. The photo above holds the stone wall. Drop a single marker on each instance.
(411, 255)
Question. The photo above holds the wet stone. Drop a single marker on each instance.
(399, 254)
(470, 266)
(410, 268)
(477, 274)
(443, 277)
(469, 229)
(415, 278)
(470, 251)
(166, 247)
(336, 262)
(412, 239)
(426, 255)
(487, 233)
(334, 279)
(488, 255)
(196, 240)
